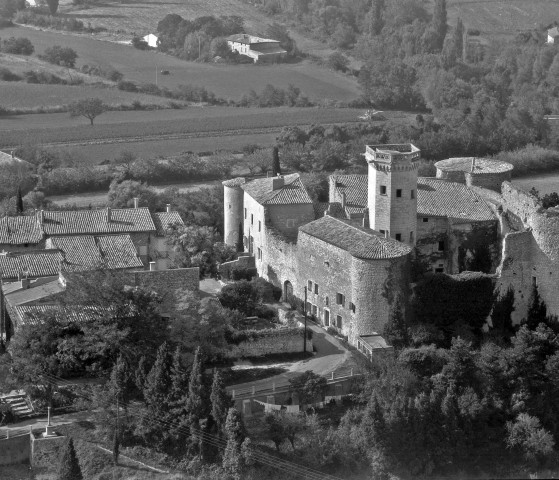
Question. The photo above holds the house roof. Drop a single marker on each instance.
(375, 341)
(38, 263)
(84, 222)
(359, 242)
(88, 252)
(20, 230)
(163, 220)
(334, 209)
(249, 39)
(481, 165)
(292, 192)
(234, 182)
(33, 314)
(38, 289)
(553, 32)
(437, 198)
(440, 198)
(267, 49)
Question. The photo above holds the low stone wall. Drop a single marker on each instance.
(244, 261)
(15, 450)
(281, 340)
(44, 450)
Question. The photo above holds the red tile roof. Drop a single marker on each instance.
(34, 314)
(292, 192)
(20, 230)
(33, 264)
(163, 220)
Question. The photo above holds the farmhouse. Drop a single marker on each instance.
(351, 257)
(259, 49)
(553, 35)
(151, 39)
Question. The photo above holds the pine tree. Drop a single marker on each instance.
(235, 433)
(537, 311)
(19, 201)
(276, 167)
(69, 468)
(221, 401)
(439, 24)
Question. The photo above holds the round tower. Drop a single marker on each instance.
(392, 192)
(233, 211)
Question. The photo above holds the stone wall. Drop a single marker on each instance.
(429, 234)
(45, 451)
(244, 261)
(282, 340)
(279, 262)
(287, 219)
(491, 181)
(142, 243)
(15, 450)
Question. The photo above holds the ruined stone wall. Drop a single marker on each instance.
(244, 261)
(429, 234)
(456, 176)
(15, 450)
(330, 268)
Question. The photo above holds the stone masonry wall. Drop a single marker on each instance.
(15, 450)
(491, 181)
(244, 261)
(45, 451)
(282, 341)
(279, 262)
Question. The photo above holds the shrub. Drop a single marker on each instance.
(63, 56)
(241, 296)
(139, 43)
(18, 46)
(107, 72)
(8, 76)
(46, 78)
(267, 292)
(242, 273)
(337, 61)
(127, 86)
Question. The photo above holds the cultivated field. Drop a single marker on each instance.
(28, 95)
(503, 18)
(227, 81)
(141, 126)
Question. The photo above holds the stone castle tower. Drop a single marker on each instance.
(233, 205)
(392, 190)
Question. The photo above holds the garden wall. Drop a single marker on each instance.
(266, 342)
(44, 450)
(15, 450)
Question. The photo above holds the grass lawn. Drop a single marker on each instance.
(29, 95)
(227, 81)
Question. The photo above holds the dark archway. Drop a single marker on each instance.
(287, 291)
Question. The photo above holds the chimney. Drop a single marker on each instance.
(343, 200)
(136, 201)
(277, 182)
(108, 214)
(152, 266)
(24, 282)
(12, 152)
(366, 218)
(40, 217)
(473, 164)
(386, 234)
(168, 208)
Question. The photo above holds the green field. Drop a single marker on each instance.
(227, 81)
(28, 95)
(141, 126)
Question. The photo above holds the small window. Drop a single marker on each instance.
(399, 193)
(382, 231)
(340, 299)
(259, 226)
(534, 282)
(412, 238)
(383, 189)
(315, 310)
(352, 307)
(441, 246)
(309, 307)
(229, 206)
(316, 289)
(259, 254)
(399, 237)
(252, 219)
(339, 321)
(309, 286)
(327, 301)
(245, 213)
(425, 219)
(412, 196)
(439, 270)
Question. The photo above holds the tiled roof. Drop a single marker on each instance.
(163, 220)
(234, 182)
(292, 191)
(437, 198)
(440, 198)
(481, 165)
(334, 209)
(20, 230)
(88, 252)
(359, 242)
(249, 39)
(39, 263)
(268, 49)
(38, 289)
(33, 314)
(84, 222)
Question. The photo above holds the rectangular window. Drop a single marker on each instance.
(383, 189)
(259, 254)
(309, 307)
(309, 286)
(252, 219)
(326, 318)
(352, 307)
(412, 194)
(339, 321)
(340, 299)
(399, 193)
(425, 219)
(412, 239)
(245, 213)
(439, 270)
(534, 282)
(441, 246)
(259, 226)
(382, 231)
(314, 310)
(399, 237)
(327, 301)
(316, 289)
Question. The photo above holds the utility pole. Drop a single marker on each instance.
(156, 74)
(305, 331)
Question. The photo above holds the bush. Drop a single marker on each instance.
(107, 72)
(267, 292)
(241, 296)
(127, 86)
(242, 273)
(337, 61)
(139, 43)
(46, 78)
(8, 76)
(18, 46)
(63, 56)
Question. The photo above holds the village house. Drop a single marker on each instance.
(151, 39)
(553, 35)
(257, 48)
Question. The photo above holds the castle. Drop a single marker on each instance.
(351, 256)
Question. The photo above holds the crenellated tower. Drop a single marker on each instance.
(392, 190)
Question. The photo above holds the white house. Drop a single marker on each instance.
(553, 35)
(151, 39)
(259, 49)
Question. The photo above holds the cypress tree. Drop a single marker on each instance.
(537, 311)
(196, 402)
(458, 39)
(141, 373)
(276, 167)
(69, 468)
(240, 243)
(439, 24)
(158, 381)
(19, 201)
(179, 379)
(221, 401)
(235, 433)
(395, 331)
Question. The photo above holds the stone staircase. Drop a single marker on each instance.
(19, 403)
